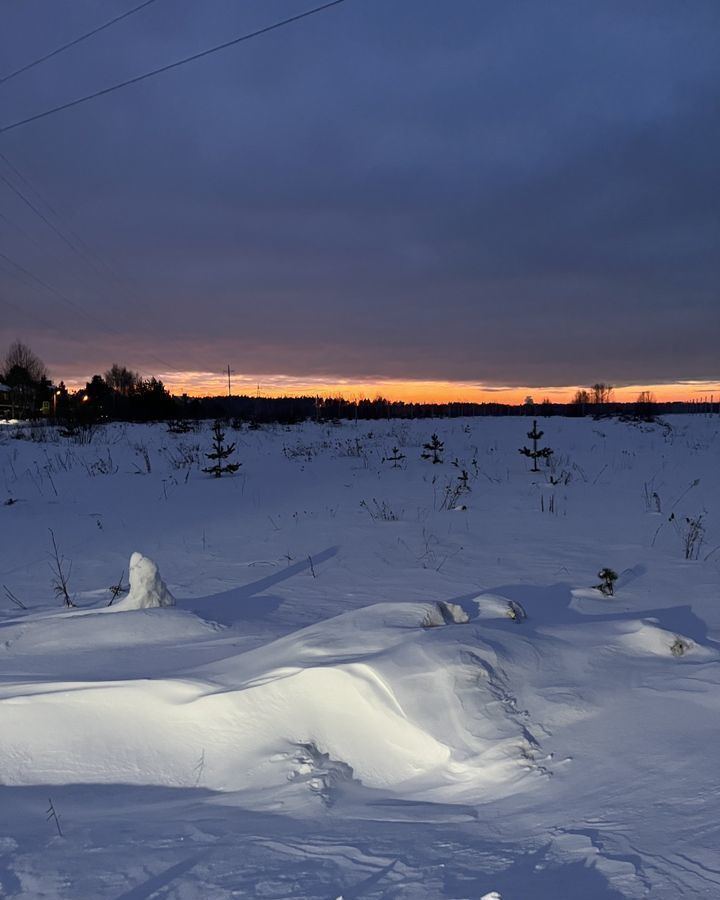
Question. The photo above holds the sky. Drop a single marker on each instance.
(417, 198)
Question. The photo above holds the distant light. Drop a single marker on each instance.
(85, 398)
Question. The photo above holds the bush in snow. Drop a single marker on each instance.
(454, 490)
(679, 647)
(179, 426)
(380, 511)
(693, 536)
(607, 582)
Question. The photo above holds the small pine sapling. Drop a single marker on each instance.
(433, 449)
(607, 582)
(396, 458)
(535, 454)
(220, 453)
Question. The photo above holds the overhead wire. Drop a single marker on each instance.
(32, 276)
(173, 65)
(136, 79)
(75, 41)
(76, 237)
(44, 284)
(31, 205)
(83, 257)
(26, 234)
(108, 329)
(7, 302)
(50, 287)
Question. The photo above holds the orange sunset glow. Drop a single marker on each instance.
(206, 384)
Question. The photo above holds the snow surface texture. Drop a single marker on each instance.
(362, 691)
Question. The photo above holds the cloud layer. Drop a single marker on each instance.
(519, 194)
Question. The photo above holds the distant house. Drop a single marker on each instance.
(6, 404)
(21, 401)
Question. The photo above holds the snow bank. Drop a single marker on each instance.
(363, 689)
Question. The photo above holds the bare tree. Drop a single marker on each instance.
(26, 375)
(60, 576)
(122, 380)
(581, 398)
(21, 363)
(601, 393)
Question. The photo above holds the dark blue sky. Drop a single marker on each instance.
(511, 193)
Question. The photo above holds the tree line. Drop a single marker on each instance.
(123, 394)
(120, 393)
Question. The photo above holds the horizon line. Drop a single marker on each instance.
(212, 384)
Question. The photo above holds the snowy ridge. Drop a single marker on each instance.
(335, 686)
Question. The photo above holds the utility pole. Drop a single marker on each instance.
(229, 390)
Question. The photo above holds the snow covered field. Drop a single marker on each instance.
(340, 703)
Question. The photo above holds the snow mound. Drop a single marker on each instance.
(445, 613)
(147, 589)
(644, 637)
(87, 632)
(379, 703)
(493, 606)
(590, 601)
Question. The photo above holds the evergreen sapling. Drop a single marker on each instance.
(535, 454)
(395, 459)
(220, 453)
(433, 449)
(607, 582)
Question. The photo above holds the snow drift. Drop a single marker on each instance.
(365, 689)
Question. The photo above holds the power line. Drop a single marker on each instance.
(26, 234)
(76, 237)
(83, 253)
(43, 284)
(77, 40)
(88, 252)
(52, 327)
(31, 239)
(87, 256)
(38, 213)
(173, 65)
(127, 301)
(73, 303)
